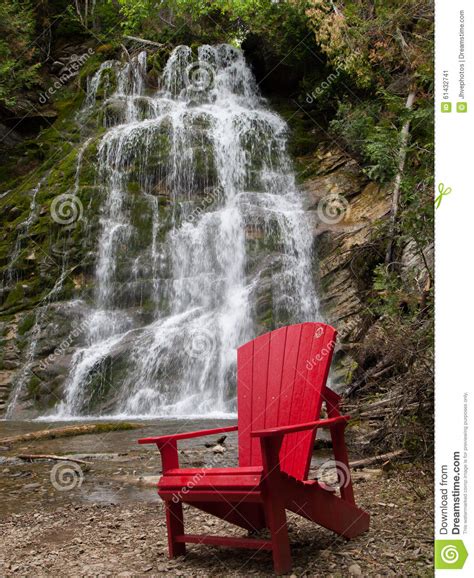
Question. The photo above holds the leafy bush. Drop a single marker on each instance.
(18, 69)
(372, 135)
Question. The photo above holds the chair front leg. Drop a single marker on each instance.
(274, 504)
(173, 507)
(175, 525)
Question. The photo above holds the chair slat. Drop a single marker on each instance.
(244, 400)
(275, 376)
(261, 355)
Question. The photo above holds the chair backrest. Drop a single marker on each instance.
(280, 380)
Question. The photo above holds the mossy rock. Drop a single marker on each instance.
(26, 323)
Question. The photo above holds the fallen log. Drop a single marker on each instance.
(68, 431)
(373, 373)
(382, 412)
(33, 457)
(377, 459)
(379, 403)
(143, 40)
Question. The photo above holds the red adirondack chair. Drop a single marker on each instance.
(281, 387)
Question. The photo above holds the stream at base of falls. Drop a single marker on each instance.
(117, 469)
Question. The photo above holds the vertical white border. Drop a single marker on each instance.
(454, 261)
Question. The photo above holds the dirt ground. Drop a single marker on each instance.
(129, 539)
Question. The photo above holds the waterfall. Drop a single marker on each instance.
(201, 228)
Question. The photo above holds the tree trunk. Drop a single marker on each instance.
(78, 11)
(398, 179)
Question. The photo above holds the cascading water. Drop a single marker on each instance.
(222, 224)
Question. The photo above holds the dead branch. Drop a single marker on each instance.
(33, 457)
(377, 459)
(143, 41)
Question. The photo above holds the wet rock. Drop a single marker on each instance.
(219, 442)
(355, 570)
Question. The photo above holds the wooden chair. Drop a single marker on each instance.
(281, 387)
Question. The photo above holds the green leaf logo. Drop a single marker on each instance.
(450, 554)
(443, 191)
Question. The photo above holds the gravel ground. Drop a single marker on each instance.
(129, 539)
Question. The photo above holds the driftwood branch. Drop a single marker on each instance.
(377, 459)
(163, 19)
(33, 457)
(381, 412)
(143, 40)
(374, 404)
(374, 372)
(68, 431)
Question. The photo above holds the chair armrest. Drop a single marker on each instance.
(281, 431)
(168, 444)
(186, 435)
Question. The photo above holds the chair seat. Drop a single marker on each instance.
(198, 479)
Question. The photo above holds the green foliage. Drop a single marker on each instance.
(382, 152)
(371, 133)
(134, 12)
(389, 293)
(375, 41)
(82, 16)
(217, 21)
(26, 323)
(18, 69)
